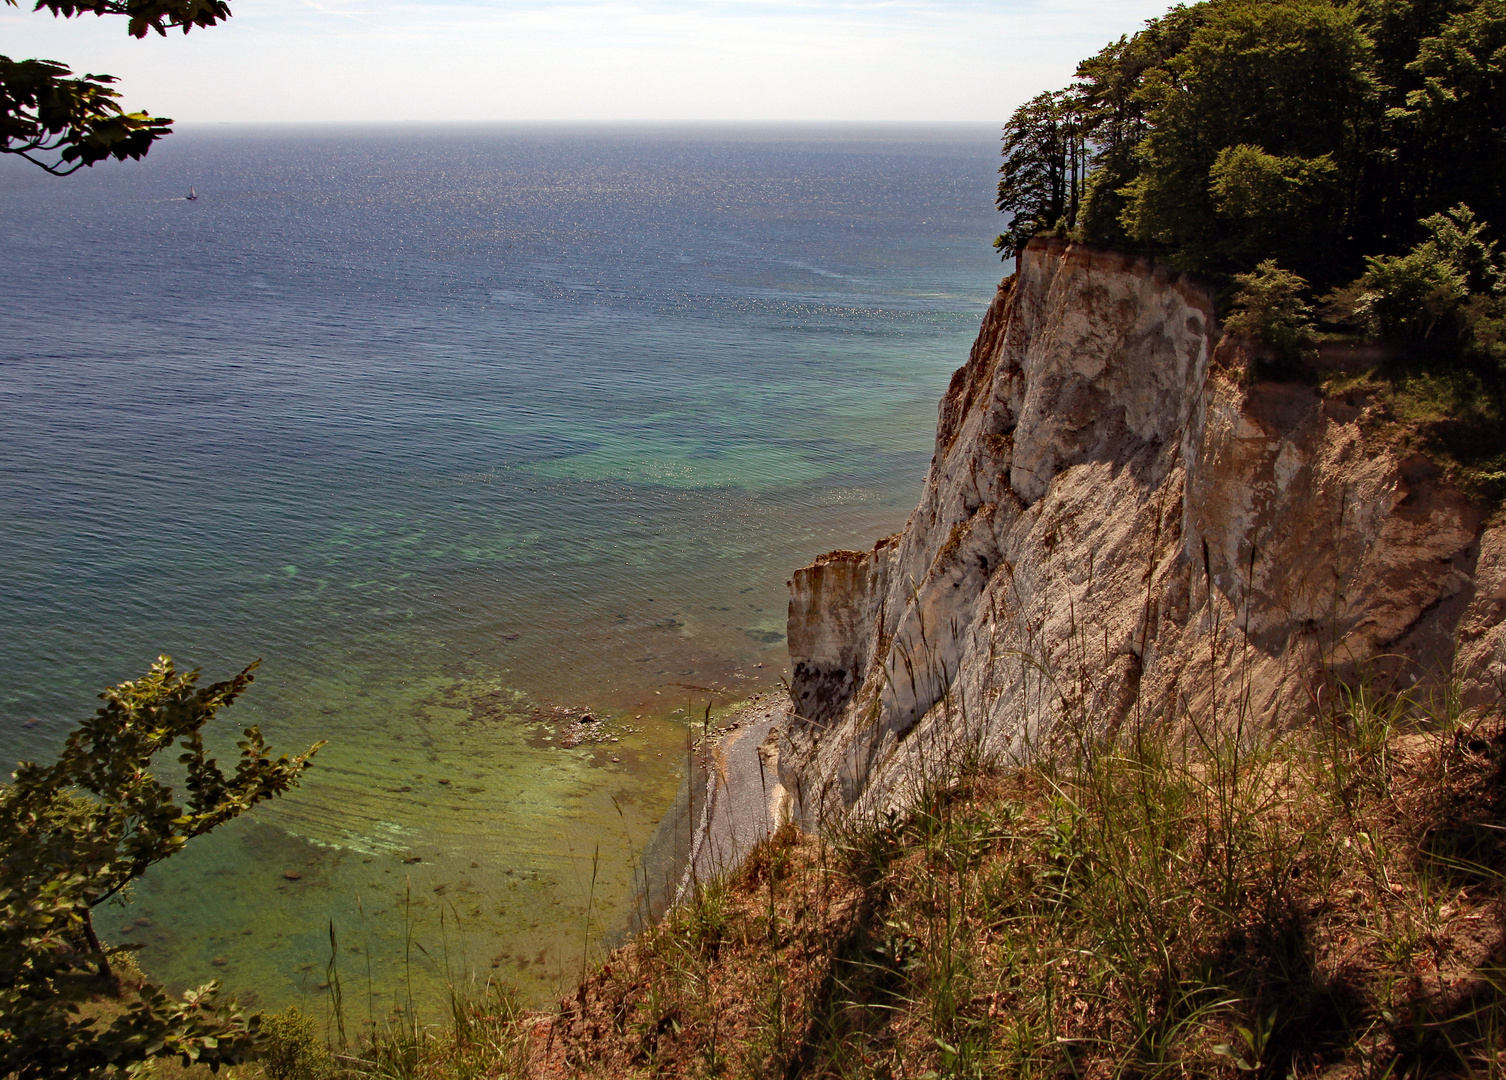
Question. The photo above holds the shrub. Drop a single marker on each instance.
(1404, 296)
(1268, 309)
(1460, 240)
(293, 1050)
(1430, 288)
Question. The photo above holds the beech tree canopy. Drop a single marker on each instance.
(1229, 132)
(62, 121)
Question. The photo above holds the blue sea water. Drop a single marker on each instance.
(462, 431)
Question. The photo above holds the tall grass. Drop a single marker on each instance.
(1205, 898)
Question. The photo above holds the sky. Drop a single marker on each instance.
(646, 60)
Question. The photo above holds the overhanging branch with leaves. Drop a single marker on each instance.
(63, 122)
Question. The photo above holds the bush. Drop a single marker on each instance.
(293, 1050)
(1485, 320)
(1460, 240)
(1405, 296)
(1431, 288)
(1269, 310)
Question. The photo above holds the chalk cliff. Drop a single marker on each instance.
(1118, 527)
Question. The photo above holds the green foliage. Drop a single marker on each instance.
(1271, 144)
(77, 833)
(1045, 162)
(1444, 298)
(1486, 318)
(1313, 132)
(1110, 87)
(293, 1048)
(1407, 296)
(1414, 295)
(63, 123)
(1460, 240)
(1455, 97)
(1268, 308)
(43, 110)
(1263, 195)
(1278, 78)
(484, 1040)
(145, 16)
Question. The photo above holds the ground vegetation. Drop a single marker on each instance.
(1325, 901)
(1202, 899)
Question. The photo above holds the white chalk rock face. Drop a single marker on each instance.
(1118, 528)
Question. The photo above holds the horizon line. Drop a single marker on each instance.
(614, 122)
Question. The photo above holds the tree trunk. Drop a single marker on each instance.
(106, 973)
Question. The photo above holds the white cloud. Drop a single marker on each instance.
(471, 60)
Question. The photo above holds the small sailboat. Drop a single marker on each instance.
(191, 196)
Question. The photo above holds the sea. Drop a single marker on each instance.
(465, 433)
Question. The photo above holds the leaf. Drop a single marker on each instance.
(1225, 1050)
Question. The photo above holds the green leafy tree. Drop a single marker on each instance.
(1461, 240)
(1315, 132)
(1406, 296)
(1445, 281)
(78, 832)
(1264, 196)
(64, 122)
(1452, 116)
(1046, 159)
(1285, 80)
(1111, 86)
(1268, 308)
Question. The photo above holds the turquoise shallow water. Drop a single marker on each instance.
(464, 432)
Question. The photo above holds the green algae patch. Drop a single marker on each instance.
(450, 834)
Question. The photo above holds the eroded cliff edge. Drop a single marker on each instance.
(1117, 525)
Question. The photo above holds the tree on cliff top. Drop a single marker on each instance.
(1046, 161)
(63, 122)
(78, 832)
(1310, 131)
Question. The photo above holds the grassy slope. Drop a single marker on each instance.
(1326, 902)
